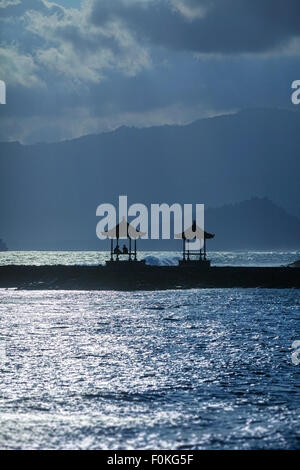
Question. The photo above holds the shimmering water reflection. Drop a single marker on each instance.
(91, 258)
(175, 369)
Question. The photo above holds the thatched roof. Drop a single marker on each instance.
(194, 232)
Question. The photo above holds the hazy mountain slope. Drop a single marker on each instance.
(49, 192)
(256, 223)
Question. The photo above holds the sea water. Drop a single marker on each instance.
(184, 369)
(191, 369)
(91, 258)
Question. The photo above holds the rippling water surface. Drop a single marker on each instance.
(218, 258)
(198, 369)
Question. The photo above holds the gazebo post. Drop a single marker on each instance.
(111, 249)
(183, 249)
(135, 249)
(117, 250)
(129, 249)
(204, 248)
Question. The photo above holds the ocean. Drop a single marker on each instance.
(90, 258)
(184, 369)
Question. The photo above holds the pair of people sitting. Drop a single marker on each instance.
(124, 250)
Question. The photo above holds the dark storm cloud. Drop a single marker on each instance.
(227, 26)
(131, 62)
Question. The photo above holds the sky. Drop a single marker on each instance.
(82, 67)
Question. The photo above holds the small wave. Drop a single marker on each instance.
(171, 260)
(171, 319)
(158, 307)
(147, 396)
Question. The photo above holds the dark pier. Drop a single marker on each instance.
(124, 272)
(138, 276)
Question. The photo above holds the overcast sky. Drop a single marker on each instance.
(74, 68)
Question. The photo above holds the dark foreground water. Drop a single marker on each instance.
(199, 369)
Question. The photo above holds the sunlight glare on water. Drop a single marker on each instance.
(218, 258)
(174, 369)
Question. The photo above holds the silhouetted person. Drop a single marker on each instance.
(125, 250)
(117, 250)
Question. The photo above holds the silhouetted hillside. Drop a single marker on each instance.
(49, 192)
(256, 224)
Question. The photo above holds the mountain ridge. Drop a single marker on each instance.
(124, 127)
(50, 191)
